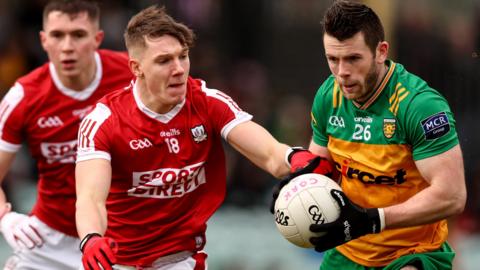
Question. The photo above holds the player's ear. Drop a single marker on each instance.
(99, 38)
(43, 39)
(382, 52)
(135, 67)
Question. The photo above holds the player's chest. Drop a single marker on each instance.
(176, 142)
(373, 126)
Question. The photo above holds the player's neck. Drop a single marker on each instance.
(82, 80)
(151, 101)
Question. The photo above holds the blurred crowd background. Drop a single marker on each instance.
(268, 56)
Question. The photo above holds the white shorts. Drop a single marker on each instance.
(177, 261)
(59, 252)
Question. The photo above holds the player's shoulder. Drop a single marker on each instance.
(110, 103)
(409, 92)
(328, 93)
(328, 86)
(34, 80)
(199, 89)
(119, 96)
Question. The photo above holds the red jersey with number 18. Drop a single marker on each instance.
(46, 114)
(168, 170)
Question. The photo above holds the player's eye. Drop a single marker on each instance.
(57, 34)
(79, 34)
(332, 60)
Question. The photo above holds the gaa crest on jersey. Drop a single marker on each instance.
(389, 126)
(198, 133)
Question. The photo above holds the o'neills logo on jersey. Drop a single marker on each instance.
(62, 152)
(198, 133)
(170, 133)
(81, 113)
(167, 182)
(369, 178)
(49, 122)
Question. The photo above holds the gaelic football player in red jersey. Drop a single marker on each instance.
(150, 167)
(44, 108)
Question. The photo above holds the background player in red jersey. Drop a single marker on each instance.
(151, 159)
(44, 108)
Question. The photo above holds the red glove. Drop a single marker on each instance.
(303, 161)
(98, 252)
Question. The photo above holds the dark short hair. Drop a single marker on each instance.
(73, 8)
(155, 22)
(344, 19)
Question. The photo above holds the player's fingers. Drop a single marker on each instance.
(111, 250)
(103, 261)
(32, 233)
(339, 196)
(325, 227)
(92, 264)
(22, 239)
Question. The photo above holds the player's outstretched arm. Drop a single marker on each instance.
(259, 146)
(93, 178)
(18, 229)
(446, 195)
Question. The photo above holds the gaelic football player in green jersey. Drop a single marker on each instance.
(393, 139)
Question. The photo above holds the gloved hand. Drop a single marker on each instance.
(353, 222)
(301, 162)
(98, 252)
(19, 231)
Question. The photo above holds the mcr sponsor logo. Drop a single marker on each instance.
(49, 122)
(167, 182)
(62, 152)
(140, 144)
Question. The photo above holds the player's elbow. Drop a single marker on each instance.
(459, 203)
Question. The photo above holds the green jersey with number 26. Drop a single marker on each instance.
(375, 144)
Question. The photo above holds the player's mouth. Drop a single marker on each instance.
(68, 64)
(349, 88)
(176, 85)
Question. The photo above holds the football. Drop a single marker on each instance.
(305, 200)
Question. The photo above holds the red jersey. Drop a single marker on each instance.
(168, 170)
(42, 111)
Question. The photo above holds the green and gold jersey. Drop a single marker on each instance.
(374, 145)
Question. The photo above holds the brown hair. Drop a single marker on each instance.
(73, 8)
(155, 22)
(344, 19)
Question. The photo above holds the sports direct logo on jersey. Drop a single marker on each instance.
(63, 152)
(167, 182)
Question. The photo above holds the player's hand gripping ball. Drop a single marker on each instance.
(305, 200)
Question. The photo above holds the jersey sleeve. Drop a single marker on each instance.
(93, 135)
(12, 114)
(322, 103)
(430, 125)
(224, 111)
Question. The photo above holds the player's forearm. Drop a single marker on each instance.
(430, 205)
(260, 147)
(90, 217)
